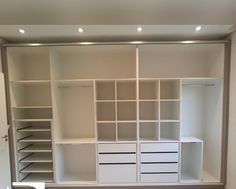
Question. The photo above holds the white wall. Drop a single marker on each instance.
(1, 41)
(231, 171)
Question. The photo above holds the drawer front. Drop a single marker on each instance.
(117, 173)
(169, 177)
(159, 167)
(103, 148)
(117, 158)
(160, 147)
(159, 157)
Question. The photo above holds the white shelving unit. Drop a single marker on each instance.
(117, 114)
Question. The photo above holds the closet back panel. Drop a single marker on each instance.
(178, 60)
(29, 63)
(95, 62)
(77, 112)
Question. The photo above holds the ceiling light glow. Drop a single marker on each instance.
(198, 28)
(139, 29)
(80, 30)
(22, 31)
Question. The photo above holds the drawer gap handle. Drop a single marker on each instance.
(117, 163)
(173, 152)
(171, 162)
(117, 152)
(149, 173)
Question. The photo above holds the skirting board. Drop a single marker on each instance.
(139, 187)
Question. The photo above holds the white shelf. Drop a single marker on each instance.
(206, 177)
(32, 120)
(148, 100)
(38, 168)
(31, 82)
(170, 100)
(37, 148)
(190, 139)
(105, 100)
(39, 177)
(74, 83)
(105, 140)
(39, 158)
(72, 179)
(36, 139)
(186, 178)
(126, 121)
(146, 139)
(170, 120)
(162, 139)
(32, 107)
(149, 121)
(105, 121)
(35, 129)
(77, 141)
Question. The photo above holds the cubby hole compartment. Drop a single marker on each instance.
(33, 126)
(33, 113)
(105, 90)
(76, 163)
(148, 89)
(191, 161)
(31, 95)
(127, 131)
(106, 131)
(126, 111)
(28, 63)
(148, 110)
(74, 112)
(31, 137)
(169, 131)
(126, 90)
(170, 111)
(148, 131)
(94, 62)
(106, 111)
(170, 89)
(37, 177)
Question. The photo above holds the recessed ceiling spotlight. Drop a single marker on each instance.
(139, 29)
(198, 28)
(21, 31)
(80, 30)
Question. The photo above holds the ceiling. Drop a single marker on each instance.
(105, 20)
(69, 33)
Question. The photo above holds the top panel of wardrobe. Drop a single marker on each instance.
(116, 61)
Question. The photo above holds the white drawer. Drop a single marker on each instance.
(160, 147)
(170, 177)
(117, 158)
(103, 148)
(160, 157)
(117, 173)
(159, 167)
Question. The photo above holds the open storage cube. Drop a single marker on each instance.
(169, 130)
(191, 160)
(148, 110)
(169, 89)
(126, 90)
(106, 131)
(149, 131)
(148, 89)
(169, 110)
(126, 111)
(127, 131)
(76, 163)
(105, 90)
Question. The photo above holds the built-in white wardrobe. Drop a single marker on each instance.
(117, 114)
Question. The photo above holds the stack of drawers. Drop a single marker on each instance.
(159, 162)
(117, 163)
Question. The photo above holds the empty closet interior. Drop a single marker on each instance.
(149, 112)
